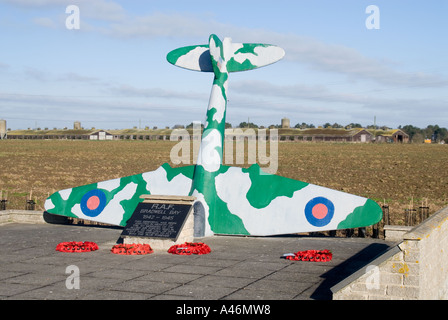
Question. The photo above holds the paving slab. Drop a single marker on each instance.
(238, 268)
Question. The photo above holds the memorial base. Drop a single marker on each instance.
(186, 233)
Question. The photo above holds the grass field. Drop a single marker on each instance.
(397, 174)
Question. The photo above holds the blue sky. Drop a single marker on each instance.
(112, 72)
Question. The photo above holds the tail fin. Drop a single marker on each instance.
(243, 56)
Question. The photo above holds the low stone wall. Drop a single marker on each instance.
(29, 216)
(416, 268)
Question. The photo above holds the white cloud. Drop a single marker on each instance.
(103, 10)
(95, 9)
(45, 22)
(344, 60)
(45, 76)
(130, 91)
(253, 98)
(159, 24)
(313, 53)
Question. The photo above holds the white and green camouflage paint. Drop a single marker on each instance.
(233, 200)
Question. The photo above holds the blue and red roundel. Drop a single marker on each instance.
(93, 203)
(319, 211)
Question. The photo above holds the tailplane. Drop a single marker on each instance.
(241, 57)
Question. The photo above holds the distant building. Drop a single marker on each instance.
(101, 135)
(392, 136)
(334, 135)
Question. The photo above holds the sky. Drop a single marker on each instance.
(344, 63)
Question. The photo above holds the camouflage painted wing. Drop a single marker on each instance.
(264, 204)
(240, 202)
(115, 200)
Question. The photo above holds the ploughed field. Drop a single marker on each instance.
(402, 176)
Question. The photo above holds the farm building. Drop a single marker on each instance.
(392, 136)
(126, 134)
(101, 135)
(328, 135)
(357, 135)
(50, 134)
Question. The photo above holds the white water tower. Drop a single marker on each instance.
(2, 129)
(285, 123)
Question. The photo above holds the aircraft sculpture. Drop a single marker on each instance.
(229, 200)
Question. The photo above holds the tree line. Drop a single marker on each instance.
(433, 132)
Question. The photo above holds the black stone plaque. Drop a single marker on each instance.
(157, 220)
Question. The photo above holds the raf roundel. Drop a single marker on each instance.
(93, 203)
(319, 211)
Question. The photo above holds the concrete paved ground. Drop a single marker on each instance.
(238, 268)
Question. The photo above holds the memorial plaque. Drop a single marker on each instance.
(157, 220)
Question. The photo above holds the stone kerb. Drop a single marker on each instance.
(415, 268)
